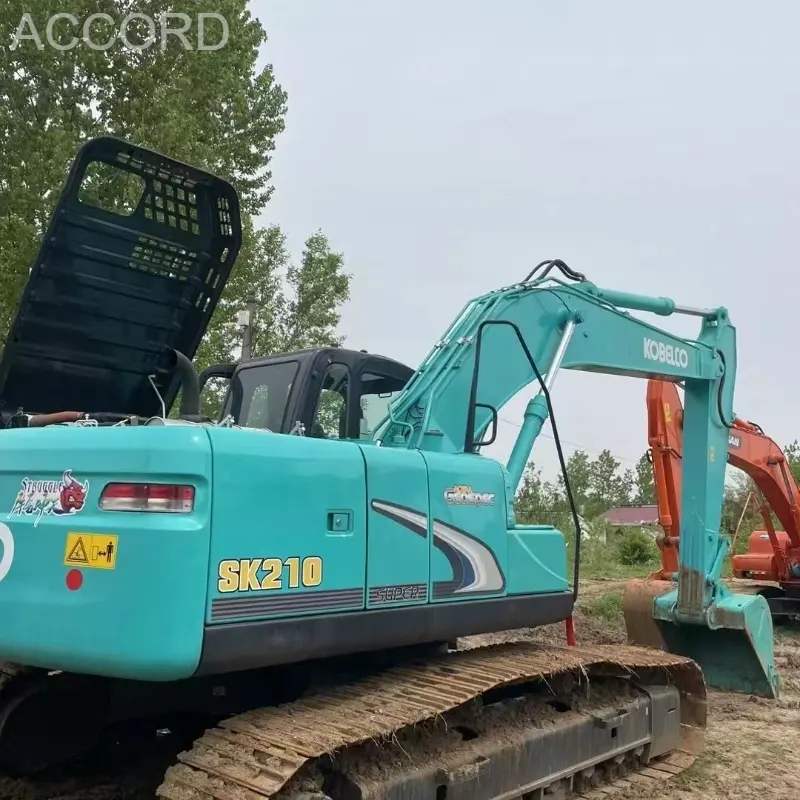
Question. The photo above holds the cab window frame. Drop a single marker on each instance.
(348, 406)
(364, 381)
(242, 401)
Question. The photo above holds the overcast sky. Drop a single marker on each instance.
(447, 146)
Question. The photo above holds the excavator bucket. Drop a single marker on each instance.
(641, 626)
(732, 644)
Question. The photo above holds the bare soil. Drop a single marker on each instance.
(752, 748)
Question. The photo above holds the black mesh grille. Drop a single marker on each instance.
(138, 252)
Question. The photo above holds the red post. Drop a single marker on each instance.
(569, 627)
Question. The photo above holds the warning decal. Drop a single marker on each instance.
(77, 555)
(96, 550)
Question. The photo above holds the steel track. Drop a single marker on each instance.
(270, 752)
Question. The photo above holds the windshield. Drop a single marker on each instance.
(259, 395)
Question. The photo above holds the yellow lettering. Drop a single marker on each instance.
(228, 576)
(312, 571)
(294, 571)
(273, 567)
(244, 575)
(248, 574)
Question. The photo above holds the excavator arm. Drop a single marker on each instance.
(525, 333)
(750, 450)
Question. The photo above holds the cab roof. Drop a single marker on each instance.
(134, 261)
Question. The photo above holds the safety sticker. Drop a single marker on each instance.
(39, 498)
(94, 550)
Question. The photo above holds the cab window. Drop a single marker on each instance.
(377, 391)
(264, 391)
(330, 418)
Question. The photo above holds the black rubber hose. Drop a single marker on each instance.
(549, 263)
(470, 428)
(190, 386)
(727, 423)
(576, 572)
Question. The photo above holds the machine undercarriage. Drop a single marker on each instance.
(512, 720)
(490, 722)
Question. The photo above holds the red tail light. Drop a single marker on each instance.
(162, 497)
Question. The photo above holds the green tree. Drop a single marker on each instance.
(579, 473)
(607, 487)
(535, 497)
(541, 502)
(737, 489)
(626, 486)
(645, 493)
(297, 305)
(319, 286)
(597, 484)
(792, 453)
(215, 109)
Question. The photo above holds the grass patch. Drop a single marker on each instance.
(599, 560)
(607, 606)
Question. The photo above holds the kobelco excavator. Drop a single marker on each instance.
(290, 574)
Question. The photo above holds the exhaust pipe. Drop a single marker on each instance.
(190, 386)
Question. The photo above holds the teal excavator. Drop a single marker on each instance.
(281, 584)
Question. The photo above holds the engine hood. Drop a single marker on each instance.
(134, 261)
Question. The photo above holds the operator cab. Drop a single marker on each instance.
(328, 392)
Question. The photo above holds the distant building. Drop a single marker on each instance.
(618, 520)
(632, 516)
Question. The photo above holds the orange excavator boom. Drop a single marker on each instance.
(772, 555)
(664, 411)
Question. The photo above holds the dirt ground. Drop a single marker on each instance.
(751, 752)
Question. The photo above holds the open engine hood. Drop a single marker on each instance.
(115, 288)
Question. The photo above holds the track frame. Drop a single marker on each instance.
(286, 752)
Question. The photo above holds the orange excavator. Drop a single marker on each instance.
(773, 556)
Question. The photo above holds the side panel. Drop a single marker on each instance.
(398, 550)
(68, 601)
(537, 560)
(289, 526)
(465, 545)
(469, 539)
